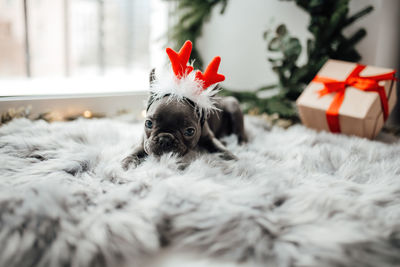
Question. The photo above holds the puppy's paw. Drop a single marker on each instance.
(183, 165)
(226, 155)
(242, 139)
(130, 161)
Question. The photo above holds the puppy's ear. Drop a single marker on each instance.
(152, 76)
(201, 116)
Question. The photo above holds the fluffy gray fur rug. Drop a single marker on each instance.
(295, 198)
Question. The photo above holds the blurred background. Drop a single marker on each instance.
(121, 40)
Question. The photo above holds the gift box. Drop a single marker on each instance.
(348, 98)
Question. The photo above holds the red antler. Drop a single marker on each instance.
(211, 74)
(180, 60)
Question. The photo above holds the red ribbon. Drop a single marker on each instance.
(365, 83)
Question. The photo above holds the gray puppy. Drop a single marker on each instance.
(179, 127)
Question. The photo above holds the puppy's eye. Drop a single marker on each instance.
(148, 124)
(189, 131)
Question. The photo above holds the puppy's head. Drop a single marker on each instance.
(171, 126)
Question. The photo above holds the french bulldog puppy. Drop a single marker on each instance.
(178, 127)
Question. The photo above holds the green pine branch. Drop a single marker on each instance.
(191, 16)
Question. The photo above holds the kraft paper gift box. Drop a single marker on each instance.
(348, 98)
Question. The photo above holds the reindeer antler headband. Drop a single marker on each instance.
(184, 83)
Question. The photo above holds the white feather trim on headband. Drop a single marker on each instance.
(166, 83)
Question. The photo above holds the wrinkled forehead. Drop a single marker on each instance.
(172, 112)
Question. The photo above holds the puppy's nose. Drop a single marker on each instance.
(165, 141)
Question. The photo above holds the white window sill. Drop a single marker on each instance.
(73, 96)
(24, 87)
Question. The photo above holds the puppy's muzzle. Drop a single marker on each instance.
(166, 141)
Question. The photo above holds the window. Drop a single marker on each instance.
(73, 37)
(54, 48)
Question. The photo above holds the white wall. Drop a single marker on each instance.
(236, 36)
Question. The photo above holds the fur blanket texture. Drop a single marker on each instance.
(295, 198)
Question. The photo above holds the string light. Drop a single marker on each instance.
(87, 114)
(56, 116)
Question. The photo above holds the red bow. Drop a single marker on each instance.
(365, 83)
